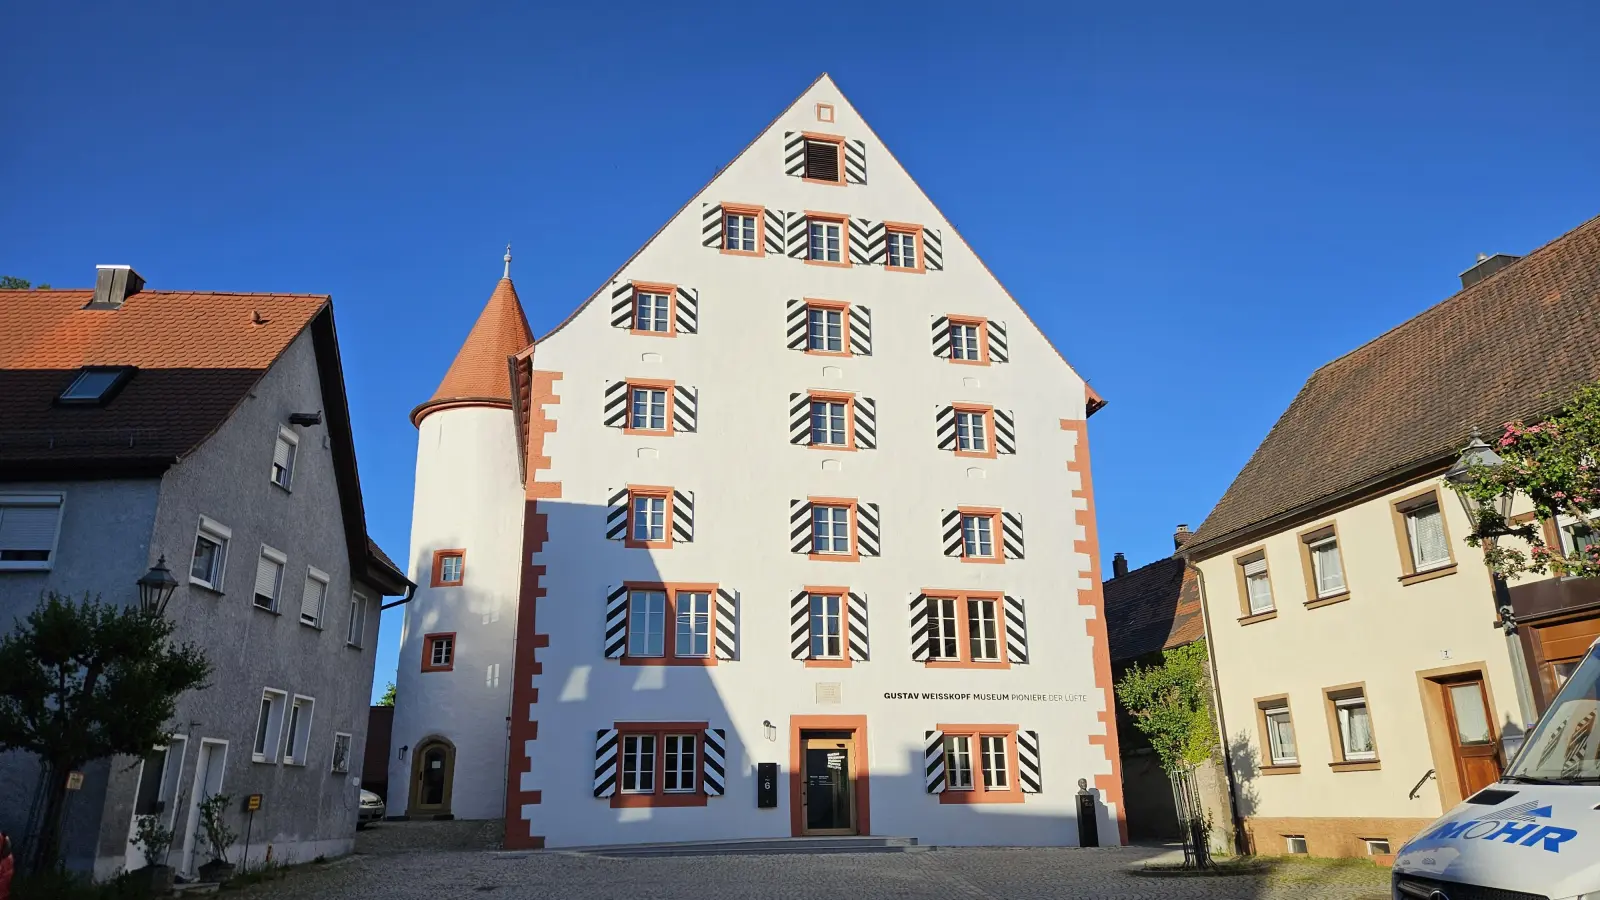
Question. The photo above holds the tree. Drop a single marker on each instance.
(1171, 705)
(388, 696)
(13, 283)
(1555, 464)
(81, 681)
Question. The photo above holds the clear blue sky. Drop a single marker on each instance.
(1199, 206)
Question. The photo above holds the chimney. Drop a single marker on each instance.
(113, 285)
(1485, 266)
(1181, 537)
(1119, 566)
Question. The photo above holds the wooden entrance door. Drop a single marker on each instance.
(432, 772)
(828, 784)
(1471, 734)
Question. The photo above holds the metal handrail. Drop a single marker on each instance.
(1420, 782)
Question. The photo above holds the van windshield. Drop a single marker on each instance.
(1565, 746)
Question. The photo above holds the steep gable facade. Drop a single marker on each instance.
(804, 488)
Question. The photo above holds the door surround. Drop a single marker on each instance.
(202, 776)
(1436, 718)
(857, 727)
(414, 807)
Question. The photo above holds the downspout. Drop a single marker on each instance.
(1239, 845)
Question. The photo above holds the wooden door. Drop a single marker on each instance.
(1472, 737)
(433, 771)
(828, 785)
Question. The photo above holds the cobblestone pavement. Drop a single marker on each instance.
(1022, 874)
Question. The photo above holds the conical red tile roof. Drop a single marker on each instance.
(479, 376)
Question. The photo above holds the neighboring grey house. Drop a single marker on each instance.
(211, 430)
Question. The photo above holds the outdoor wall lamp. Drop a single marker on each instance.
(156, 587)
(769, 730)
(1477, 454)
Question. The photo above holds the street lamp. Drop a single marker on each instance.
(1479, 455)
(156, 587)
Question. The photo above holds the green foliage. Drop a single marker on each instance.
(152, 839)
(13, 283)
(218, 834)
(388, 696)
(81, 681)
(1171, 705)
(57, 884)
(1556, 465)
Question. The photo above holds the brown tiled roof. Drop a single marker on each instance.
(197, 355)
(1512, 346)
(1152, 608)
(479, 374)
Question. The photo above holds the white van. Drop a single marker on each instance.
(1534, 834)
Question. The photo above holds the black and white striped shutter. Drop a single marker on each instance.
(800, 418)
(711, 230)
(933, 761)
(795, 235)
(860, 331)
(682, 516)
(773, 231)
(616, 622)
(1005, 431)
(796, 321)
(794, 154)
(944, 427)
(688, 310)
(868, 533)
(800, 526)
(622, 305)
(615, 412)
(1028, 762)
(715, 771)
(855, 161)
(932, 250)
(866, 423)
(605, 762)
(999, 348)
(1016, 630)
(1011, 534)
(800, 626)
(617, 516)
(858, 626)
(950, 528)
(921, 628)
(860, 239)
(727, 624)
(941, 336)
(685, 408)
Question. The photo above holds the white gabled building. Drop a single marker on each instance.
(801, 487)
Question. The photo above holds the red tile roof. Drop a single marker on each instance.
(197, 356)
(480, 376)
(1154, 607)
(1397, 409)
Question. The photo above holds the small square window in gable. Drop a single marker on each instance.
(825, 112)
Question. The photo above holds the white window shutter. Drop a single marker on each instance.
(28, 527)
(269, 576)
(1255, 567)
(311, 601)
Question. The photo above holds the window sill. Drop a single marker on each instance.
(620, 800)
(825, 181)
(645, 432)
(965, 664)
(824, 262)
(692, 661)
(350, 646)
(828, 663)
(1258, 617)
(639, 332)
(311, 624)
(195, 582)
(1356, 765)
(1429, 575)
(259, 608)
(258, 758)
(727, 252)
(428, 669)
(965, 797)
(910, 271)
(1281, 769)
(282, 487)
(835, 353)
(976, 454)
(837, 448)
(24, 566)
(984, 560)
(969, 362)
(299, 764)
(834, 557)
(1329, 600)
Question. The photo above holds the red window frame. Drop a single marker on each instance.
(978, 793)
(983, 337)
(996, 538)
(840, 219)
(669, 638)
(849, 401)
(842, 307)
(655, 287)
(843, 593)
(659, 797)
(824, 138)
(649, 490)
(990, 452)
(428, 642)
(745, 209)
(964, 659)
(904, 228)
(438, 567)
(850, 503)
(650, 384)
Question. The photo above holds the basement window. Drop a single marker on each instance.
(1296, 843)
(95, 385)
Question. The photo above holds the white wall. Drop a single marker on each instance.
(468, 495)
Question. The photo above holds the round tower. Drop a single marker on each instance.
(453, 684)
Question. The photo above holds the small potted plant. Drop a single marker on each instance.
(219, 836)
(154, 841)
